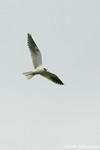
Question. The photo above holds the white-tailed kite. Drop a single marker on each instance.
(37, 62)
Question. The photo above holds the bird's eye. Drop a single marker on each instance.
(45, 69)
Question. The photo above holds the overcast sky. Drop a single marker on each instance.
(38, 114)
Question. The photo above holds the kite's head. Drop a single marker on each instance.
(45, 69)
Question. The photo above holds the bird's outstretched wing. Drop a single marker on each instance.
(35, 52)
(52, 77)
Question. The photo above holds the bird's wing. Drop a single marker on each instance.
(51, 77)
(35, 52)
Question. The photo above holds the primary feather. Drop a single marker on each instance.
(35, 52)
(54, 78)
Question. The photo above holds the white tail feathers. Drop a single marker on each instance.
(29, 74)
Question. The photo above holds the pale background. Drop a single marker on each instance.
(38, 114)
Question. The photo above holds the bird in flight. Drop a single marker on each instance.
(37, 62)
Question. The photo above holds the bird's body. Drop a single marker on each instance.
(37, 62)
(35, 71)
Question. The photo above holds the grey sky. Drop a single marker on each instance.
(38, 114)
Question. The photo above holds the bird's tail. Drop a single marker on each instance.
(29, 74)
